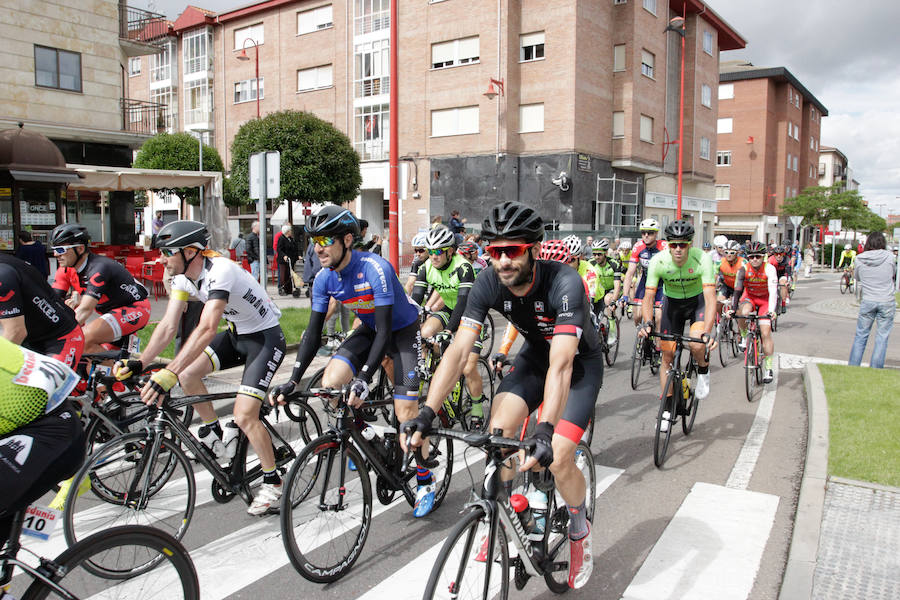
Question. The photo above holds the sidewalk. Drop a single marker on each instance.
(846, 540)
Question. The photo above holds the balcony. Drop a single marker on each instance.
(140, 30)
(140, 116)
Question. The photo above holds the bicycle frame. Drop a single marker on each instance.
(9, 560)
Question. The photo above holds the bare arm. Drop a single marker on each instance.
(165, 330)
(14, 329)
(85, 308)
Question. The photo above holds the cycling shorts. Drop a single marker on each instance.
(67, 349)
(126, 320)
(675, 311)
(404, 348)
(526, 380)
(639, 292)
(725, 291)
(443, 315)
(260, 352)
(761, 303)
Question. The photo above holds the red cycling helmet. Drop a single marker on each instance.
(468, 248)
(556, 250)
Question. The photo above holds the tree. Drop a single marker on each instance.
(318, 162)
(178, 152)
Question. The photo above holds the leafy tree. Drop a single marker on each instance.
(318, 162)
(178, 152)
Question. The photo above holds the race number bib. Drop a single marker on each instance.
(48, 374)
(40, 521)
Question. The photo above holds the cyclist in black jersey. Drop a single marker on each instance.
(560, 364)
(31, 313)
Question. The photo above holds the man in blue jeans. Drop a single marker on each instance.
(874, 271)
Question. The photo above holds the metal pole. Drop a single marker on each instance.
(256, 47)
(261, 209)
(393, 202)
(681, 117)
(200, 139)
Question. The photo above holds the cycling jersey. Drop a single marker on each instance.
(591, 278)
(756, 285)
(479, 264)
(685, 281)
(109, 282)
(782, 267)
(642, 254)
(608, 273)
(367, 281)
(849, 256)
(452, 281)
(248, 308)
(66, 279)
(728, 271)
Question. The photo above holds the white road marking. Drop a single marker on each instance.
(711, 548)
(746, 460)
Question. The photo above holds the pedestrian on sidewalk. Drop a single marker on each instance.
(251, 244)
(286, 254)
(874, 272)
(809, 257)
(311, 266)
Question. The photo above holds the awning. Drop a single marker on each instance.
(279, 217)
(118, 179)
(44, 176)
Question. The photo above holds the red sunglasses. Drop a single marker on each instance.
(512, 251)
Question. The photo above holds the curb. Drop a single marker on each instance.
(801, 564)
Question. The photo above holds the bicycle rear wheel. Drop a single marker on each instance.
(749, 354)
(486, 375)
(845, 284)
(637, 359)
(462, 569)
(691, 402)
(123, 562)
(487, 336)
(666, 418)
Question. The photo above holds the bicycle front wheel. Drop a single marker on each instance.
(637, 358)
(469, 567)
(612, 346)
(486, 376)
(724, 341)
(666, 418)
(845, 284)
(691, 402)
(123, 562)
(487, 336)
(749, 367)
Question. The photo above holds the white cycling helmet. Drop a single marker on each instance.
(440, 237)
(732, 245)
(600, 245)
(719, 241)
(418, 240)
(846, 246)
(624, 245)
(574, 244)
(649, 225)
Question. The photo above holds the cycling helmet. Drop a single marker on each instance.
(624, 245)
(679, 230)
(600, 245)
(649, 225)
(720, 240)
(513, 220)
(440, 237)
(68, 234)
(574, 244)
(732, 245)
(756, 248)
(332, 221)
(556, 250)
(418, 240)
(468, 248)
(183, 234)
(707, 246)
(846, 246)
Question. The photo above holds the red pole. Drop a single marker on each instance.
(681, 118)
(256, 47)
(393, 202)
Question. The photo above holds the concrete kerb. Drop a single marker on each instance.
(801, 564)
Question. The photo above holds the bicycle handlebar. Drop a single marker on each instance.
(674, 337)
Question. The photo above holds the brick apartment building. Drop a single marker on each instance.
(768, 149)
(590, 89)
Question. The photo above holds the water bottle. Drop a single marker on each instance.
(212, 442)
(230, 435)
(537, 500)
(520, 505)
(368, 432)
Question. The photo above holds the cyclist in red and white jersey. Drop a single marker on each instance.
(755, 291)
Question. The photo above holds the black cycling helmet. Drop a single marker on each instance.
(513, 220)
(183, 234)
(680, 230)
(332, 221)
(68, 234)
(755, 247)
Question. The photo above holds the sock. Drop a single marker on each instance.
(271, 476)
(702, 370)
(744, 333)
(577, 522)
(477, 408)
(216, 428)
(767, 362)
(423, 476)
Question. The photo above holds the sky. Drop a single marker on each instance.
(847, 54)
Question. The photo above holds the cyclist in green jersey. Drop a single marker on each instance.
(587, 271)
(689, 292)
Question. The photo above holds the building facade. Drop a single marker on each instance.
(769, 131)
(834, 167)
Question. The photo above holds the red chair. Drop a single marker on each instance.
(233, 254)
(154, 274)
(273, 273)
(246, 264)
(135, 266)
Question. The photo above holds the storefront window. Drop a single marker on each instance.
(37, 211)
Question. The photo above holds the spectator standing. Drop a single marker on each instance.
(809, 257)
(33, 252)
(155, 225)
(311, 266)
(239, 245)
(251, 246)
(437, 220)
(373, 245)
(874, 271)
(286, 255)
(457, 225)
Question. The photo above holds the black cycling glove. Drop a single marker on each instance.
(284, 389)
(543, 443)
(422, 423)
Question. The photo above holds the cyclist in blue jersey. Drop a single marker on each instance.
(368, 285)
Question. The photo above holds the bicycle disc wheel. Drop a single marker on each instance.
(666, 405)
(326, 510)
(461, 568)
(132, 484)
(691, 403)
(637, 357)
(487, 336)
(123, 562)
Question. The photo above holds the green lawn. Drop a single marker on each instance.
(864, 436)
(293, 322)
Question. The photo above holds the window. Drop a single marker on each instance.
(254, 33)
(314, 20)
(134, 66)
(723, 192)
(165, 96)
(706, 95)
(646, 128)
(197, 108)
(454, 52)
(619, 57)
(647, 60)
(797, 132)
(797, 100)
(531, 46)
(726, 91)
(161, 63)
(790, 96)
(650, 5)
(531, 117)
(371, 15)
(371, 129)
(795, 164)
(704, 148)
(725, 125)
(812, 113)
(618, 130)
(708, 42)
(245, 91)
(454, 121)
(812, 143)
(790, 130)
(58, 69)
(315, 78)
(619, 1)
(822, 168)
(723, 158)
(812, 171)
(372, 68)
(789, 161)
(195, 47)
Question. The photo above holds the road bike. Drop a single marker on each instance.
(475, 561)
(644, 352)
(681, 402)
(753, 355)
(847, 283)
(326, 508)
(609, 328)
(728, 337)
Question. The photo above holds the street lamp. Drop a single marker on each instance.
(677, 24)
(243, 57)
(200, 133)
(490, 94)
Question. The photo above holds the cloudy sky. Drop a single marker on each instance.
(846, 53)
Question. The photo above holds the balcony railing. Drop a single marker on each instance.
(372, 87)
(140, 116)
(138, 25)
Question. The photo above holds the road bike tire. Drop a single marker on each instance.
(486, 374)
(692, 402)
(666, 404)
(128, 413)
(130, 474)
(442, 448)
(845, 284)
(611, 351)
(94, 567)
(314, 482)
(735, 340)
(748, 368)
(637, 359)
(724, 344)
(757, 361)
(487, 336)
(457, 572)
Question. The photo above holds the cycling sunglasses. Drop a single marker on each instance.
(678, 244)
(323, 240)
(649, 232)
(731, 254)
(752, 256)
(437, 251)
(512, 251)
(62, 249)
(168, 252)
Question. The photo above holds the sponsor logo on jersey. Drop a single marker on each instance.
(46, 308)
(539, 306)
(132, 289)
(565, 303)
(360, 287)
(8, 296)
(507, 306)
(96, 280)
(16, 448)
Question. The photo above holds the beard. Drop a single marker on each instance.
(516, 277)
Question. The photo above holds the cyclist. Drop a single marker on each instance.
(643, 252)
(33, 315)
(849, 255)
(755, 290)
(623, 253)
(726, 273)
(689, 293)
(420, 257)
(719, 242)
(253, 338)
(469, 251)
(560, 362)
(367, 284)
(782, 265)
(105, 287)
(610, 273)
(586, 270)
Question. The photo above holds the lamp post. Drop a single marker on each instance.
(200, 133)
(243, 57)
(490, 94)
(677, 24)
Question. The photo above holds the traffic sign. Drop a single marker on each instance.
(270, 170)
(795, 221)
(896, 233)
(834, 225)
